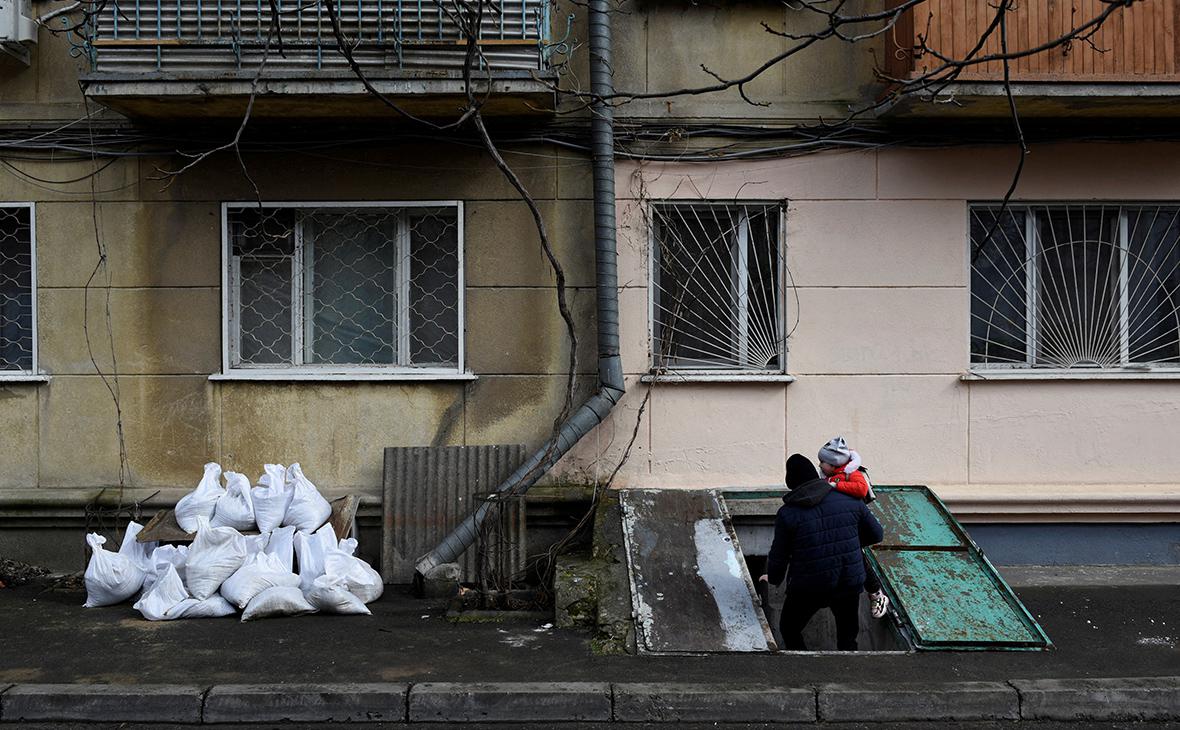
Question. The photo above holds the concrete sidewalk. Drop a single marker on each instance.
(408, 663)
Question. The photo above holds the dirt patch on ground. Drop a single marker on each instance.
(15, 573)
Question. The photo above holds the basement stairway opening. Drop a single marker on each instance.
(692, 584)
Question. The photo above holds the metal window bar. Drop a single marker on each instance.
(717, 294)
(18, 311)
(344, 286)
(1097, 286)
(303, 305)
(1124, 292)
(1030, 318)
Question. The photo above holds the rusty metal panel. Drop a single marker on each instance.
(428, 490)
(690, 587)
(950, 599)
(913, 518)
(946, 592)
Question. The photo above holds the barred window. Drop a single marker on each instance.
(1075, 286)
(717, 301)
(352, 287)
(17, 291)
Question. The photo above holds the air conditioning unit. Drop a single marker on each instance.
(17, 29)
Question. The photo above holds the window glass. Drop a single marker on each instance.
(1086, 285)
(351, 263)
(345, 286)
(717, 294)
(16, 289)
(265, 310)
(998, 286)
(1153, 286)
(434, 287)
(1077, 287)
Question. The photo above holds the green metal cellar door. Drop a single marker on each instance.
(946, 593)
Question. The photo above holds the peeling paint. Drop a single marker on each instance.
(719, 566)
(690, 588)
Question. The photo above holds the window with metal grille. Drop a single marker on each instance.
(349, 287)
(717, 301)
(1075, 286)
(18, 313)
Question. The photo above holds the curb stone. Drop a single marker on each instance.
(3, 688)
(1147, 698)
(104, 702)
(670, 702)
(510, 701)
(373, 702)
(901, 702)
(1123, 698)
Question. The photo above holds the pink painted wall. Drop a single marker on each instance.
(877, 248)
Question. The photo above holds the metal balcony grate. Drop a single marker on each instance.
(230, 36)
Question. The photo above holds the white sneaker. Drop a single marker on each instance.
(878, 604)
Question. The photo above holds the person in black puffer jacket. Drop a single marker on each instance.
(819, 533)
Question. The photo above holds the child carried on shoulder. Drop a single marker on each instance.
(841, 466)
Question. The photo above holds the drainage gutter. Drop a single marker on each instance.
(610, 367)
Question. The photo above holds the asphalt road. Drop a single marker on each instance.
(996, 725)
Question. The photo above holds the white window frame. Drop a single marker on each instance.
(723, 375)
(33, 374)
(229, 280)
(1027, 370)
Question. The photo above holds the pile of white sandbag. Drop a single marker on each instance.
(295, 565)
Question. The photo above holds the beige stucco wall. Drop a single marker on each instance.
(164, 262)
(877, 248)
(876, 244)
(659, 47)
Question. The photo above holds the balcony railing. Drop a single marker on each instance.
(1136, 43)
(220, 38)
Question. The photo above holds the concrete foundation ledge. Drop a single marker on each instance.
(306, 703)
(712, 703)
(510, 701)
(3, 688)
(902, 702)
(1124, 698)
(158, 703)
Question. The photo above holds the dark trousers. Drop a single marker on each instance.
(798, 610)
(872, 582)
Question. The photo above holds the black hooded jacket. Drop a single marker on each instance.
(819, 533)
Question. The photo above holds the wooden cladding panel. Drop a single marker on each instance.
(1135, 43)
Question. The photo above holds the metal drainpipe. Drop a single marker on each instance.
(610, 367)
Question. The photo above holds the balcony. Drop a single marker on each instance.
(1131, 68)
(200, 58)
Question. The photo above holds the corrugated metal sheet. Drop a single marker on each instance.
(429, 490)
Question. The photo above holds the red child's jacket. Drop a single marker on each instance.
(852, 483)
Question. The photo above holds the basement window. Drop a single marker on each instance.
(18, 287)
(717, 304)
(1091, 288)
(349, 289)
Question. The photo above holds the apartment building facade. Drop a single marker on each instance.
(358, 279)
